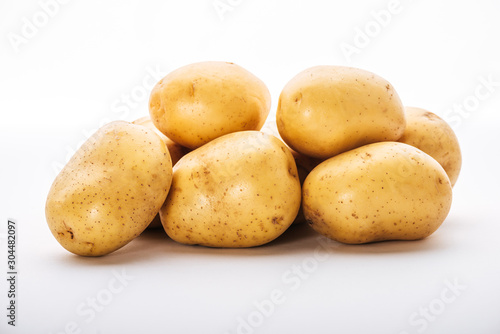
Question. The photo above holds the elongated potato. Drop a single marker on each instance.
(110, 190)
(327, 110)
(381, 191)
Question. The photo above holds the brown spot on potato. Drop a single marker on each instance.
(277, 220)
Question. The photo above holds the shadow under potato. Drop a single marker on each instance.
(154, 244)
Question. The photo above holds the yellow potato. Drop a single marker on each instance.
(430, 133)
(200, 102)
(239, 190)
(176, 151)
(110, 190)
(381, 191)
(304, 163)
(327, 110)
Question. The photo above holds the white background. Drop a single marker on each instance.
(79, 67)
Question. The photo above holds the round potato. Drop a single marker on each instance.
(326, 110)
(239, 190)
(430, 133)
(110, 190)
(200, 102)
(381, 191)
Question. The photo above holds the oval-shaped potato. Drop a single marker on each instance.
(430, 133)
(110, 190)
(200, 102)
(327, 110)
(239, 190)
(381, 191)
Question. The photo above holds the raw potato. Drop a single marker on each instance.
(304, 163)
(327, 110)
(110, 190)
(239, 190)
(381, 191)
(200, 102)
(176, 151)
(430, 133)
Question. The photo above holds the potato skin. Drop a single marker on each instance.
(430, 133)
(110, 190)
(239, 190)
(176, 151)
(381, 191)
(327, 110)
(202, 101)
(304, 163)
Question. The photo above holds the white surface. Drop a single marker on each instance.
(71, 76)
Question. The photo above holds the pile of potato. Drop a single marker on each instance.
(349, 160)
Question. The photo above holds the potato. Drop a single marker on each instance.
(239, 190)
(431, 134)
(327, 110)
(200, 102)
(176, 151)
(381, 191)
(110, 190)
